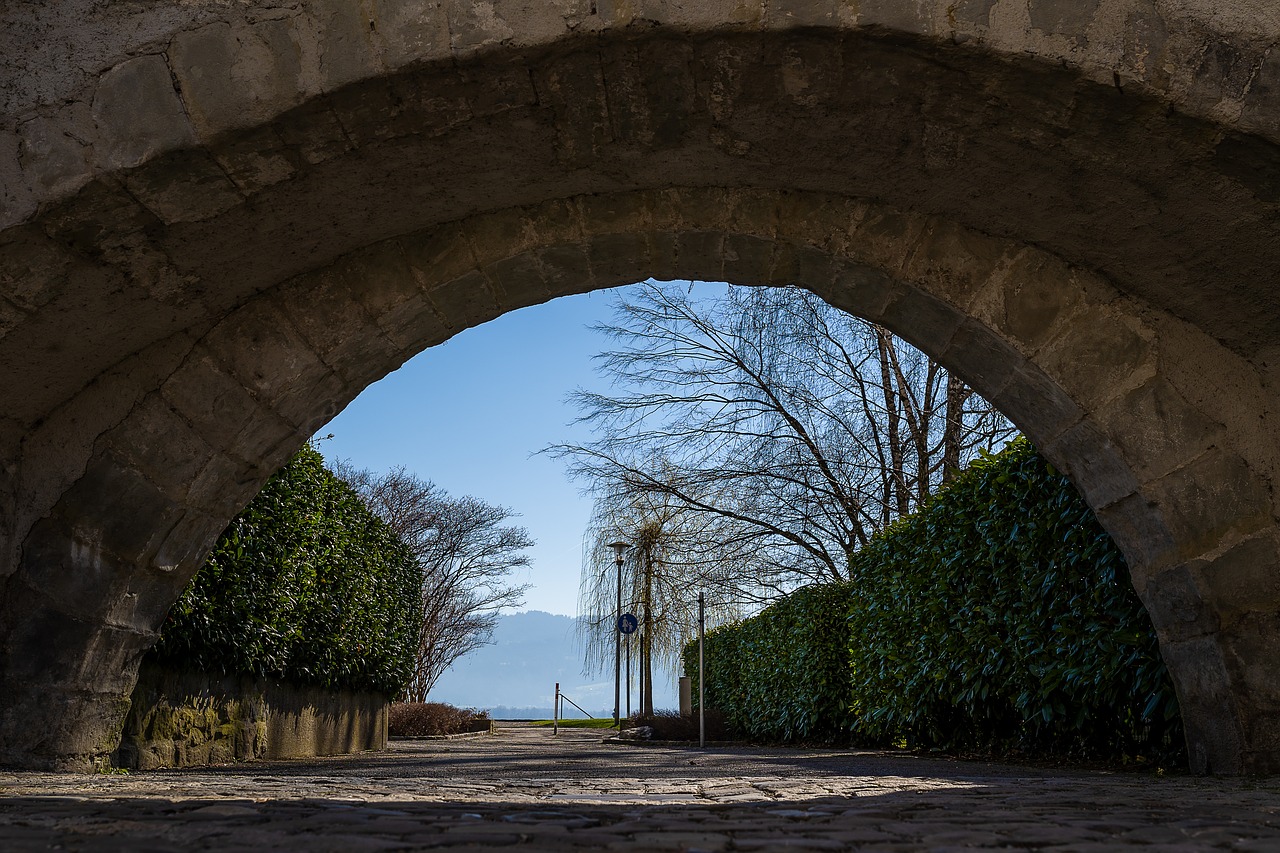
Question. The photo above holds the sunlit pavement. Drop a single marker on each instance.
(521, 788)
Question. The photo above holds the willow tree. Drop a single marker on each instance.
(672, 556)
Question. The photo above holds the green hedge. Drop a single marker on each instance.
(305, 585)
(999, 618)
(785, 674)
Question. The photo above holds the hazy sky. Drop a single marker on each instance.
(472, 413)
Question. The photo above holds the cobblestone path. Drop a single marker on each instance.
(524, 790)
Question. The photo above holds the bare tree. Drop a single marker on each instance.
(807, 428)
(467, 553)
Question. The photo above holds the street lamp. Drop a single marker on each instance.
(618, 548)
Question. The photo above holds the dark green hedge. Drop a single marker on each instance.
(999, 618)
(785, 674)
(306, 585)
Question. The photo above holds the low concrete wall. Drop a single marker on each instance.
(186, 719)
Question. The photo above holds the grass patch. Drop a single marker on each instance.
(594, 723)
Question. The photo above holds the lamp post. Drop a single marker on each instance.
(618, 548)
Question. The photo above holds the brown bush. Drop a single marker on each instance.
(671, 725)
(425, 719)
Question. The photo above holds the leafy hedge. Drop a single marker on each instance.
(306, 585)
(785, 674)
(999, 618)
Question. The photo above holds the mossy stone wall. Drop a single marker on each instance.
(189, 719)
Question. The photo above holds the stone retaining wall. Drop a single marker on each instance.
(187, 719)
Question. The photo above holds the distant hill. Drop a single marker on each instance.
(515, 677)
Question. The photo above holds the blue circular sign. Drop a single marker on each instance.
(627, 624)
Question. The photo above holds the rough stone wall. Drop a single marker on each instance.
(187, 719)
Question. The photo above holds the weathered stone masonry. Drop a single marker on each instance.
(222, 220)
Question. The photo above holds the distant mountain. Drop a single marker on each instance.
(517, 674)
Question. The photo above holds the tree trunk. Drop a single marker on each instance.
(957, 394)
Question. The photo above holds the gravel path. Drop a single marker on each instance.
(522, 789)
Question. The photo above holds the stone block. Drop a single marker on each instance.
(781, 14)
(218, 406)
(413, 325)
(662, 255)
(498, 89)
(1036, 405)
(747, 259)
(518, 281)
(1069, 18)
(557, 221)
(700, 255)
(573, 88)
(17, 198)
(337, 44)
(101, 217)
(1210, 501)
(1087, 455)
(1243, 579)
(700, 14)
(802, 266)
(912, 16)
(864, 291)
(619, 258)
(1261, 110)
(1205, 696)
(1100, 354)
(1140, 532)
(34, 270)
(259, 346)
(314, 130)
(465, 302)
(1156, 429)
(326, 309)
(614, 213)
(953, 262)
(185, 186)
(697, 209)
(55, 650)
(138, 114)
(981, 358)
(566, 269)
(923, 320)
(439, 255)
(80, 727)
(1177, 605)
(500, 235)
(53, 159)
(410, 31)
(885, 238)
(236, 76)
(254, 160)
(157, 443)
(1028, 297)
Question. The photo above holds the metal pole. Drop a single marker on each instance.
(628, 676)
(617, 653)
(555, 712)
(702, 680)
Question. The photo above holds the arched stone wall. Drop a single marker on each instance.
(1075, 211)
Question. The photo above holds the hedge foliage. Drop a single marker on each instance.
(305, 585)
(999, 618)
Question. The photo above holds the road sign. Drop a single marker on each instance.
(627, 624)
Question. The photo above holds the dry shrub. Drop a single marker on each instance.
(425, 719)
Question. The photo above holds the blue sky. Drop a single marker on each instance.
(471, 415)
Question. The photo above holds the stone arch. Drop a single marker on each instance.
(234, 245)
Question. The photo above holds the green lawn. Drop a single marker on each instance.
(597, 723)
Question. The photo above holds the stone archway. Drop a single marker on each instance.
(258, 240)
